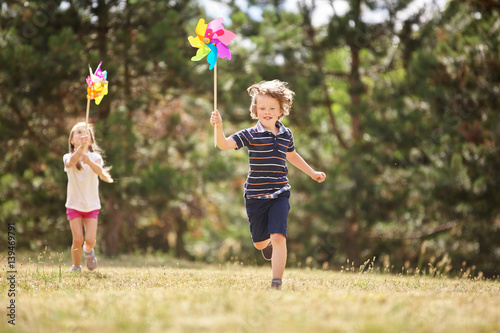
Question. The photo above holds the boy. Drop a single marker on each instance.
(270, 144)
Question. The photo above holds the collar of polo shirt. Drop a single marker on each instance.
(261, 129)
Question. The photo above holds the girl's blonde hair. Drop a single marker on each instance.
(275, 89)
(93, 147)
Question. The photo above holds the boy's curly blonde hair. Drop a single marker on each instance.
(275, 89)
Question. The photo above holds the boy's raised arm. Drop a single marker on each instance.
(222, 142)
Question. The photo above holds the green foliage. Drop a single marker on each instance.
(400, 114)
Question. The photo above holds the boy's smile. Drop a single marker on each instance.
(268, 112)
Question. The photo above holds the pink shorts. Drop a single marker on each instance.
(73, 214)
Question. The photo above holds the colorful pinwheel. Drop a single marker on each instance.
(97, 84)
(212, 40)
(97, 88)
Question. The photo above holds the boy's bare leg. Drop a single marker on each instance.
(266, 248)
(261, 245)
(278, 261)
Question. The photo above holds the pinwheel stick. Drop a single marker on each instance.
(215, 102)
(87, 122)
(87, 116)
(88, 103)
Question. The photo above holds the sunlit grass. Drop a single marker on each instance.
(159, 294)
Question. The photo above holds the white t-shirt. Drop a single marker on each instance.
(83, 185)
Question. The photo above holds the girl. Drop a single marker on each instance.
(83, 164)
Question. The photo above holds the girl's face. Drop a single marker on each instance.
(268, 111)
(76, 138)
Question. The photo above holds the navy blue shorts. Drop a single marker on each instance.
(268, 216)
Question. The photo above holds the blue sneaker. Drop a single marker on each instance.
(90, 260)
(75, 268)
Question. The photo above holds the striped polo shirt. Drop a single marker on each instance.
(267, 159)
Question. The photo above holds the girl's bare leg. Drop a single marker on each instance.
(76, 226)
(90, 233)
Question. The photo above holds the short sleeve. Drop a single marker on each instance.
(291, 145)
(65, 158)
(241, 139)
(97, 159)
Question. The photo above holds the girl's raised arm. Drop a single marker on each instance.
(71, 162)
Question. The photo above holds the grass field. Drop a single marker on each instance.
(158, 294)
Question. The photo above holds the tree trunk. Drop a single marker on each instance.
(356, 87)
(112, 227)
(180, 247)
(351, 229)
(127, 42)
(351, 232)
(102, 12)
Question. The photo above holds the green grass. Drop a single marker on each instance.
(158, 294)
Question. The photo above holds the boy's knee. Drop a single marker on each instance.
(278, 238)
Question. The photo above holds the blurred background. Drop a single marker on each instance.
(396, 101)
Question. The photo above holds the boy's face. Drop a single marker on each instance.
(268, 110)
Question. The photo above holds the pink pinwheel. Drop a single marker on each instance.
(97, 88)
(212, 40)
(97, 84)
